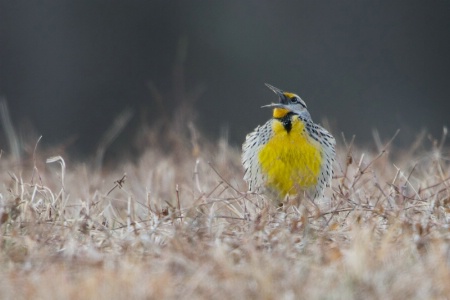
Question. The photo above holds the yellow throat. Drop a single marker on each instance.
(291, 160)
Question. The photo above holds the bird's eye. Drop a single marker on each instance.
(295, 100)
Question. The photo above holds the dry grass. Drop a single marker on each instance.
(179, 227)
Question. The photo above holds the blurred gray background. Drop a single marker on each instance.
(67, 68)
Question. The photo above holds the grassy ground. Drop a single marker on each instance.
(180, 224)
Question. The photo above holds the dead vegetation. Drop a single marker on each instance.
(181, 225)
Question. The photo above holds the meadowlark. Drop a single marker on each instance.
(289, 154)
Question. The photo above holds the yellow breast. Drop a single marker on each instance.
(291, 161)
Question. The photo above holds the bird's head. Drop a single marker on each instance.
(288, 103)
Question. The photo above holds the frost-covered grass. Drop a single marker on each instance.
(178, 223)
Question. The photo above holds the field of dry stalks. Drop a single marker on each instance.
(180, 224)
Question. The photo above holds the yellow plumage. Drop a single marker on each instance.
(289, 154)
(291, 161)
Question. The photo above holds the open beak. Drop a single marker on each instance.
(282, 98)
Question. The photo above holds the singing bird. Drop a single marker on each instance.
(289, 154)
